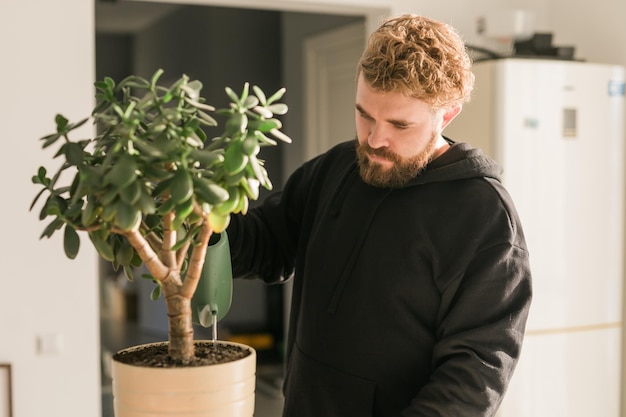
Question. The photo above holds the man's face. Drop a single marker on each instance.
(397, 135)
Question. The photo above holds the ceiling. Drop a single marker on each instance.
(127, 17)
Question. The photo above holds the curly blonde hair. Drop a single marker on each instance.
(419, 57)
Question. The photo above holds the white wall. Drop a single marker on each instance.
(47, 67)
(596, 28)
(46, 47)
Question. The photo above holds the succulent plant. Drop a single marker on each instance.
(149, 188)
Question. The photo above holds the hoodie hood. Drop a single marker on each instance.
(460, 161)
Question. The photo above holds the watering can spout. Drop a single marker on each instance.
(206, 314)
(213, 296)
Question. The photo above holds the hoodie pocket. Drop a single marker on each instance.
(313, 389)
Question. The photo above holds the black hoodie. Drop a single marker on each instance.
(406, 302)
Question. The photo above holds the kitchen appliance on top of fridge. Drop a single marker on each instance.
(556, 128)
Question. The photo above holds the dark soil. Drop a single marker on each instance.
(156, 355)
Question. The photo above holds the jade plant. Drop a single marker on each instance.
(150, 189)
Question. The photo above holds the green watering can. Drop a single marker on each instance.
(213, 296)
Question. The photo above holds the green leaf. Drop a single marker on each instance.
(260, 94)
(280, 135)
(149, 150)
(40, 177)
(250, 146)
(167, 97)
(61, 123)
(136, 262)
(122, 173)
(55, 206)
(236, 178)
(236, 123)
(245, 92)
(251, 187)
(193, 89)
(250, 102)
(243, 205)
(156, 172)
(182, 212)
(181, 186)
(129, 110)
(200, 133)
(218, 222)
(74, 210)
(235, 160)
(32, 204)
(206, 157)
(194, 141)
(52, 227)
(71, 242)
(155, 77)
(265, 113)
(91, 176)
(199, 105)
(259, 171)
(128, 271)
(135, 82)
(109, 82)
(73, 153)
(180, 243)
(206, 119)
(108, 198)
(277, 95)
(131, 193)
(73, 126)
(146, 203)
(268, 124)
(108, 212)
(264, 139)
(278, 108)
(88, 215)
(166, 206)
(124, 253)
(41, 173)
(50, 139)
(156, 293)
(209, 192)
(102, 246)
(127, 217)
(230, 205)
(231, 94)
(101, 85)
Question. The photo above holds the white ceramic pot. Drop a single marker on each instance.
(222, 390)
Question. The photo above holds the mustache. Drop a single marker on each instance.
(379, 152)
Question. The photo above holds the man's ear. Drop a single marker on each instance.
(450, 114)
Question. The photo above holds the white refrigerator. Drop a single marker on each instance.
(556, 127)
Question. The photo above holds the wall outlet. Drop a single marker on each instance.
(50, 344)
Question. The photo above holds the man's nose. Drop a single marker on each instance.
(378, 138)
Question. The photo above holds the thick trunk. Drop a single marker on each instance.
(181, 346)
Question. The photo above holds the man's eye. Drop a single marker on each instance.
(401, 127)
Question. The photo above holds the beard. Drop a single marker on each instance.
(401, 172)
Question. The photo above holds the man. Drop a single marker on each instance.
(412, 283)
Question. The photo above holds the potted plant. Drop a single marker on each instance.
(150, 189)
